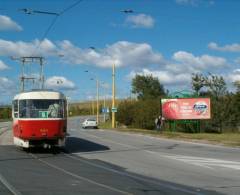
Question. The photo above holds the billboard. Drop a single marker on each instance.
(186, 108)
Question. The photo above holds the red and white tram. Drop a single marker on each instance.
(39, 119)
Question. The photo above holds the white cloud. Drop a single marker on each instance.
(178, 71)
(59, 83)
(165, 77)
(21, 48)
(235, 47)
(7, 23)
(122, 53)
(7, 87)
(140, 21)
(234, 76)
(3, 66)
(204, 62)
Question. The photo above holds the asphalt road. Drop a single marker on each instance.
(108, 162)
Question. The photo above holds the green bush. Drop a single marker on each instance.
(139, 114)
(5, 113)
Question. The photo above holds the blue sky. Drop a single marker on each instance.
(169, 39)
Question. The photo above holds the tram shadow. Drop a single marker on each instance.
(76, 144)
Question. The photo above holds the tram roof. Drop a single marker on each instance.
(40, 94)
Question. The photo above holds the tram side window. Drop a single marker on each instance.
(15, 108)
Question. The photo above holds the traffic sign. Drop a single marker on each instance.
(105, 110)
(114, 109)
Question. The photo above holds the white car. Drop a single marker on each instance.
(90, 123)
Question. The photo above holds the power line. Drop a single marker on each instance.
(54, 21)
(70, 7)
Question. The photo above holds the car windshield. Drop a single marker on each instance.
(91, 120)
(41, 108)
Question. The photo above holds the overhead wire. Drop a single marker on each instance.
(70, 7)
(54, 21)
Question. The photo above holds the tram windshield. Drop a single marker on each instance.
(41, 108)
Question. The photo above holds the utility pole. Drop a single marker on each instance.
(93, 112)
(97, 95)
(113, 97)
(22, 76)
(104, 104)
(97, 101)
(41, 74)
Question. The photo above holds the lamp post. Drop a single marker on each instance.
(93, 112)
(97, 101)
(104, 86)
(97, 95)
(113, 96)
(113, 83)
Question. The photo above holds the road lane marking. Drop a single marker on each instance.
(169, 186)
(110, 141)
(13, 190)
(134, 134)
(206, 162)
(80, 177)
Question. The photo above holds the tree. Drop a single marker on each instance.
(220, 100)
(216, 85)
(236, 103)
(198, 81)
(147, 87)
(223, 110)
(237, 85)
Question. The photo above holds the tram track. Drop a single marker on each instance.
(76, 176)
(4, 129)
(9, 186)
(112, 170)
(134, 177)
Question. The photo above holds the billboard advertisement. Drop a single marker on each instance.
(186, 108)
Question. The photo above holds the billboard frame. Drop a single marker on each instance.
(181, 95)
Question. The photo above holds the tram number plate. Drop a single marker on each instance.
(43, 114)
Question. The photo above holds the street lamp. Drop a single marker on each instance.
(113, 84)
(113, 97)
(97, 85)
(104, 86)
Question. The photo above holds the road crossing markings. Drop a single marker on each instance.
(169, 186)
(210, 163)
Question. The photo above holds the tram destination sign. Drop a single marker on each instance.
(43, 114)
(186, 108)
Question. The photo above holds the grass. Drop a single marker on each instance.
(227, 139)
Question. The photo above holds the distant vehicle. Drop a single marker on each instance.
(39, 119)
(90, 123)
